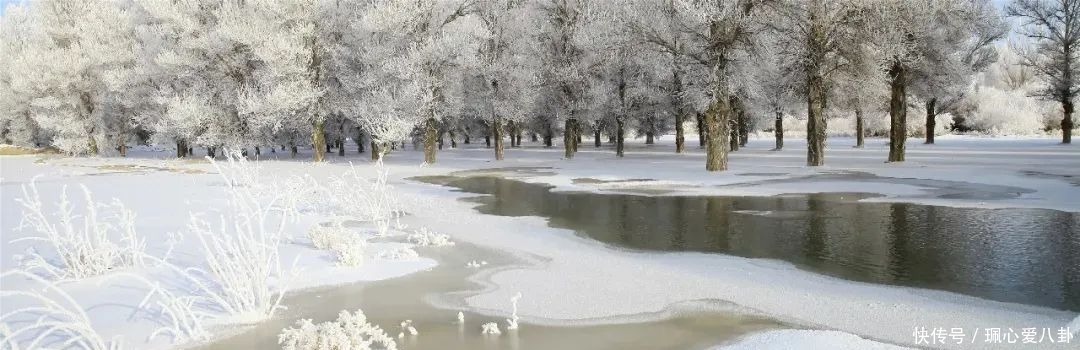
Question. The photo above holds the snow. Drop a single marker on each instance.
(554, 264)
(162, 192)
(806, 339)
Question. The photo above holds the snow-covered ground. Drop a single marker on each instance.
(556, 264)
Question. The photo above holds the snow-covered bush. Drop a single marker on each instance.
(424, 237)
(490, 328)
(350, 331)
(94, 241)
(323, 237)
(366, 199)
(350, 253)
(54, 318)
(402, 253)
(346, 246)
(407, 328)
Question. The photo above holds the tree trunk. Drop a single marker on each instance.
(548, 140)
(122, 148)
(733, 140)
(1067, 122)
(533, 136)
(577, 134)
(620, 137)
(430, 138)
(859, 127)
(181, 149)
(716, 134)
(734, 109)
(596, 136)
(744, 128)
(293, 151)
(702, 134)
(676, 94)
(680, 139)
(815, 121)
(649, 138)
(375, 153)
(519, 133)
(453, 143)
(318, 139)
(466, 136)
(779, 131)
(897, 112)
(568, 138)
(496, 128)
(86, 109)
(360, 142)
(931, 120)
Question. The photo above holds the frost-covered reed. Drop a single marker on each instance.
(93, 241)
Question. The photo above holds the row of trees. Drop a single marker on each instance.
(81, 76)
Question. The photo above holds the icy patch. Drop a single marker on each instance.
(806, 339)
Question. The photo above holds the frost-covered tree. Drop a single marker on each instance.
(778, 92)
(943, 81)
(911, 39)
(17, 126)
(665, 34)
(719, 36)
(564, 78)
(819, 38)
(62, 70)
(421, 44)
(860, 88)
(506, 83)
(1053, 28)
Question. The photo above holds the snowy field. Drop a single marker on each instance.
(622, 285)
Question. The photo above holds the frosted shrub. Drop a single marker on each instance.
(55, 317)
(407, 328)
(350, 253)
(346, 246)
(425, 237)
(324, 237)
(351, 331)
(94, 241)
(403, 253)
(242, 277)
(369, 200)
(490, 328)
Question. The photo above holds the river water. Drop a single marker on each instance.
(414, 297)
(1028, 256)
